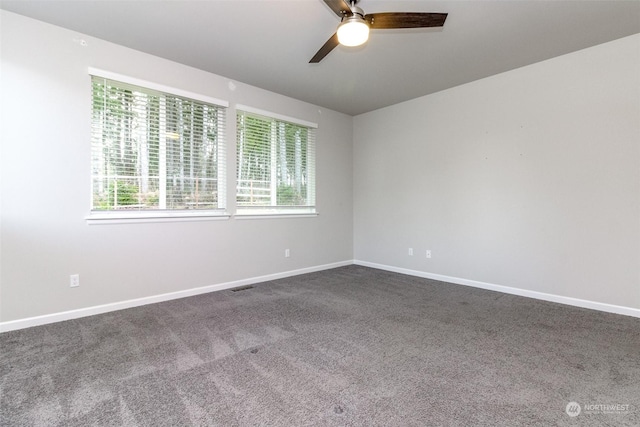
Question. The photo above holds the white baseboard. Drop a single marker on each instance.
(609, 308)
(105, 308)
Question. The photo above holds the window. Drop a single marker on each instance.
(275, 164)
(154, 151)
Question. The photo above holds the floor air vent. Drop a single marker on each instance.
(242, 288)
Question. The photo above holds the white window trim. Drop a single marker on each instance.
(286, 212)
(121, 217)
(260, 212)
(114, 217)
(270, 115)
(157, 86)
(275, 216)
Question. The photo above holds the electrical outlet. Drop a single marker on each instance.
(428, 254)
(74, 280)
(410, 251)
(287, 253)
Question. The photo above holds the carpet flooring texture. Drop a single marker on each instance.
(351, 346)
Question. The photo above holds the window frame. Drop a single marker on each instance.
(164, 215)
(260, 212)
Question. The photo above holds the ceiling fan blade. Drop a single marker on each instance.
(387, 20)
(325, 49)
(340, 7)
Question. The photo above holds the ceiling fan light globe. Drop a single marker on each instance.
(353, 32)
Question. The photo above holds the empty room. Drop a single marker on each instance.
(319, 213)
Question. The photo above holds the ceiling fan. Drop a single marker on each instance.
(354, 25)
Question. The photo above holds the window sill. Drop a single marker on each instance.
(274, 214)
(143, 217)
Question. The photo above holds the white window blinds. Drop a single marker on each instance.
(155, 151)
(275, 165)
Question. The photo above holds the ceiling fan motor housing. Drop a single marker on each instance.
(355, 11)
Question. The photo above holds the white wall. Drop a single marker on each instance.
(46, 187)
(528, 179)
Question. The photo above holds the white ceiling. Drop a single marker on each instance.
(268, 43)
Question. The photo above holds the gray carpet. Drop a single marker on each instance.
(351, 346)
